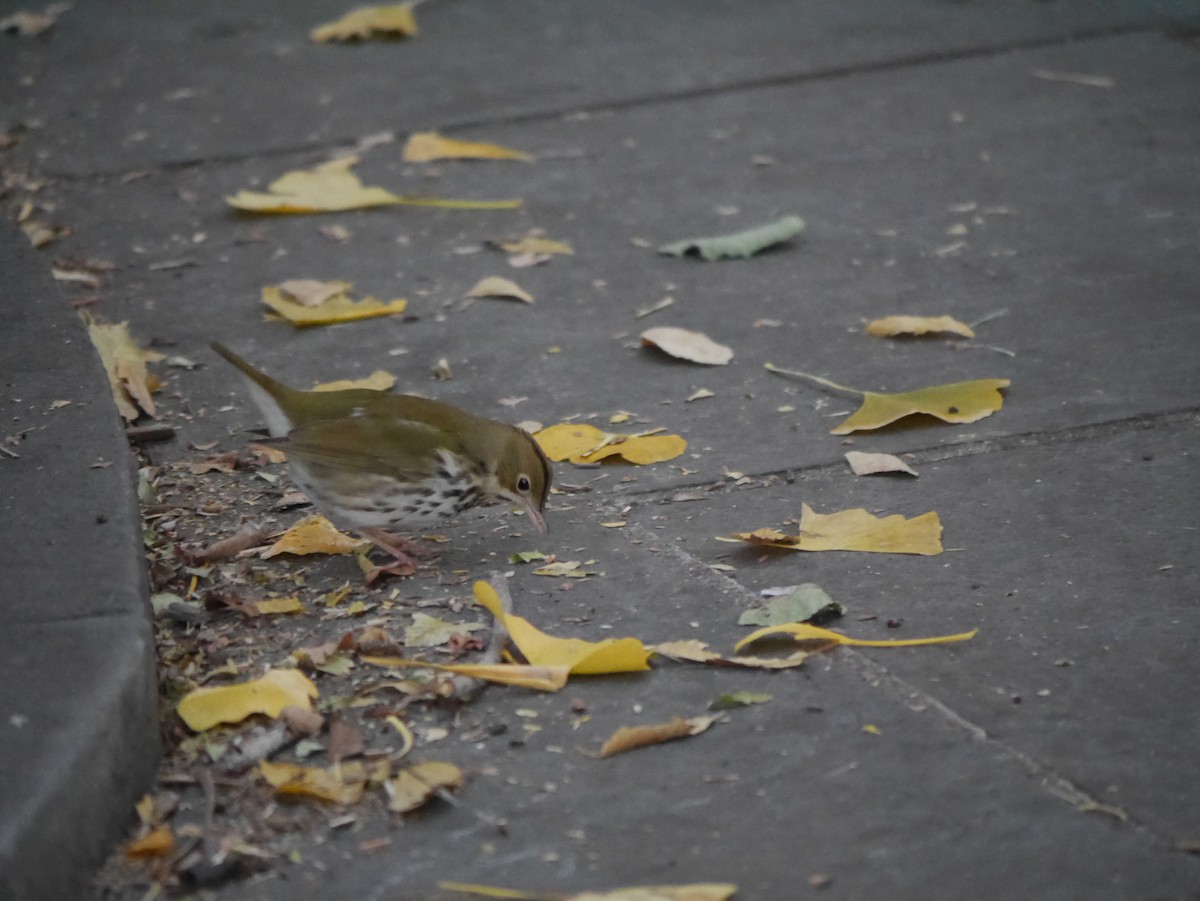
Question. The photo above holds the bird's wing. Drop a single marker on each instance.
(399, 448)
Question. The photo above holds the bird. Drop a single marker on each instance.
(375, 461)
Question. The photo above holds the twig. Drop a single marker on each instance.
(771, 367)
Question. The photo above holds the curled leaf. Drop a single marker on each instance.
(390, 20)
(695, 347)
(416, 785)
(376, 381)
(496, 286)
(629, 738)
(125, 364)
(739, 244)
(339, 784)
(335, 308)
(808, 632)
(424, 146)
(864, 464)
(889, 326)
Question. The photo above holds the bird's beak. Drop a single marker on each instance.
(539, 521)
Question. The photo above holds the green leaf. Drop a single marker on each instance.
(733, 699)
(802, 603)
(740, 244)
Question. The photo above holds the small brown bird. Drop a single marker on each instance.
(373, 461)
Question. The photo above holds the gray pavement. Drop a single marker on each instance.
(947, 158)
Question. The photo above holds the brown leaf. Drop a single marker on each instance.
(629, 738)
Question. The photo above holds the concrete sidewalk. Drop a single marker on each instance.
(948, 158)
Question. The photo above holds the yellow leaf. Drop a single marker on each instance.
(581, 443)
(918, 325)
(428, 631)
(424, 146)
(496, 286)
(629, 738)
(204, 708)
(376, 381)
(414, 786)
(708, 891)
(683, 344)
(332, 187)
(536, 244)
(125, 364)
(280, 605)
(855, 530)
(340, 784)
(313, 535)
(958, 402)
(158, 842)
(310, 292)
(620, 655)
(809, 632)
(539, 678)
(339, 308)
(392, 20)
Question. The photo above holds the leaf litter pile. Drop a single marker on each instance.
(298, 701)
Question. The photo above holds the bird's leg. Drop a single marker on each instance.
(403, 549)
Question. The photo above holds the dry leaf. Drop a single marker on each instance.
(855, 530)
(310, 292)
(376, 381)
(424, 146)
(414, 786)
(740, 244)
(612, 655)
(864, 464)
(429, 631)
(687, 345)
(807, 632)
(693, 651)
(563, 569)
(496, 286)
(889, 326)
(158, 842)
(203, 708)
(535, 245)
(337, 308)
(29, 24)
(708, 891)
(338, 784)
(538, 678)
(580, 443)
(958, 402)
(125, 364)
(314, 535)
(393, 20)
(331, 187)
(629, 738)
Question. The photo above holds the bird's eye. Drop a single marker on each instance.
(523, 484)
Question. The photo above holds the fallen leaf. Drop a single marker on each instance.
(864, 464)
(424, 146)
(536, 245)
(395, 20)
(279, 605)
(693, 651)
(687, 345)
(630, 738)
(29, 24)
(581, 443)
(890, 326)
(125, 364)
(413, 787)
(338, 784)
(612, 655)
(309, 292)
(158, 842)
(733, 699)
(709, 891)
(801, 603)
(563, 569)
(958, 402)
(338, 308)
(808, 632)
(203, 708)
(429, 631)
(496, 286)
(538, 678)
(376, 381)
(1082, 78)
(855, 530)
(740, 244)
(313, 535)
(526, 557)
(332, 187)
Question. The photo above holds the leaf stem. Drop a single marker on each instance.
(771, 367)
